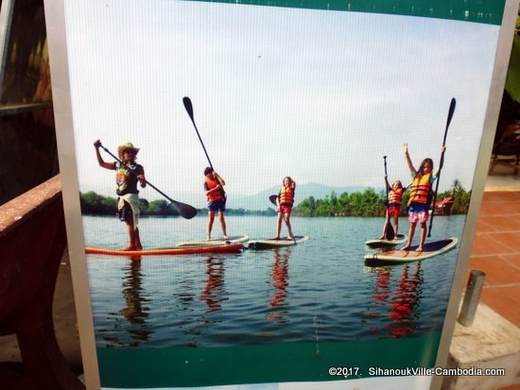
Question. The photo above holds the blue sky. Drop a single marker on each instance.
(317, 95)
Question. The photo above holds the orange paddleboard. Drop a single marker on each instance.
(166, 251)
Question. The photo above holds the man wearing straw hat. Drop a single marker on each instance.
(128, 173)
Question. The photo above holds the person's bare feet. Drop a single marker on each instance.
(129, 248)
(419, 249)
(381, 238)
(139, 247)
(290, 238)
(405, 248)
(226, 238)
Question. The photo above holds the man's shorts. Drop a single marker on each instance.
(125, 214)
(217, 205)
(394, 211)
(285, 209)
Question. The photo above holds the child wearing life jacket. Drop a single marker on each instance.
(284, 204)
(420, 197)
(128, 174)
(214, 189)
(393, 205)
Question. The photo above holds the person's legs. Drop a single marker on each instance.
(287, 217)
(223, 223)
(279, 225)
(420, 248)
(137, 240)
(396, 225)
(387, 220)
(211, 218)
(126, 215)
(411, 232)
(131, 237)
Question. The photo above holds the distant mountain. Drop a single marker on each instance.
(260, 201)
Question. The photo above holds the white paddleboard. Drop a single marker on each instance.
(431, 249)
(215, 242)
(272, 243)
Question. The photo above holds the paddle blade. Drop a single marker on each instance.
(389, 231)
(451, 110)
(188, 106)
(185, 210)
(273, 199)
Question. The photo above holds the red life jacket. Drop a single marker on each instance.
(215, 195)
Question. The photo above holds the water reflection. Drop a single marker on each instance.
(280, 281)
(397, 306)
(136, 311)
(405, 302)
(214, 292)
(382, 290)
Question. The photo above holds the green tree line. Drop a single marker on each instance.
(95, 204)
(370, 203)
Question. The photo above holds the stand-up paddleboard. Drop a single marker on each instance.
(216, 242)
(167, 251)
(431, 249)
(272, 243)
(399, 239)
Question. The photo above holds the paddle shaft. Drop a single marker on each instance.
(202, 143)
(389, 230)
(451, 110)
(386, 178)
(189, 108)
(146, 181)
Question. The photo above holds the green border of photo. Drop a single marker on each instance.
(270, 363)
(479, 11)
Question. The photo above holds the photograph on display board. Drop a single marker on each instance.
(268, 191)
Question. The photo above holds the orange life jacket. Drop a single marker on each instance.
(395, 196)
(215, 195)
(420, 189)
(286, 196)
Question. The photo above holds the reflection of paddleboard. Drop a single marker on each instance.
(398, 256)
(166, 251)
(269, 244)
(273, 199)
(216, 242)
(399, 239)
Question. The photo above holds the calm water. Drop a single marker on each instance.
(317, 291)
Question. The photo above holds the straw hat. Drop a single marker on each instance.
(128, 146)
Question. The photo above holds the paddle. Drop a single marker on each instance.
(451, 110)
(389, 230)
(273, 199)
(185, 210)
(189, 109)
